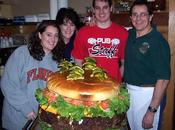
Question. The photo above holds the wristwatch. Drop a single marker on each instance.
(152, 109)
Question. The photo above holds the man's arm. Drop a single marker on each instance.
(79, 62)
(122, 67)
(159, 91)
(158, 94)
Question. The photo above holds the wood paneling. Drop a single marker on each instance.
(169, 117)
(18, 29)
(160, 18)
(122, 19)
(29, 7)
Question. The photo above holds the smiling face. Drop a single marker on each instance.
(49, 38)
(140, 18)
(102, 12)
(67, 29)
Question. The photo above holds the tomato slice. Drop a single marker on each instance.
(80, 102)
(52, 98)
(89, 103)
(73, 101)
(104, 105)
(50, 95)
(67, 99)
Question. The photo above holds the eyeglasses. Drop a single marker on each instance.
(141, 15)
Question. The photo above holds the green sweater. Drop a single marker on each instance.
(147, 58)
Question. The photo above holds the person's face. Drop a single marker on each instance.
(102, 11)
(49, 39)
(140, 18)
(67, 30)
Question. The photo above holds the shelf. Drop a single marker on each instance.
(22, 29)
(10, 47)
(8, 22)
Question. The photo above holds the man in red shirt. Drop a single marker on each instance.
(105, 41)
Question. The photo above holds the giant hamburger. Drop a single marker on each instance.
(82, 99)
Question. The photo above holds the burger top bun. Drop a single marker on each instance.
(88, 89)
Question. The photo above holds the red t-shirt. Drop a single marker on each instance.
(105, 45)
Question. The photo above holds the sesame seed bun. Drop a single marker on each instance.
(88, 89)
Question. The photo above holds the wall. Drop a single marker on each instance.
(80, 5)
(29, 7)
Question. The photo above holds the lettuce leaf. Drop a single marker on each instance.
(117, 105)
(42, 100)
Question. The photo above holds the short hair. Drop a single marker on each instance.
(70, 14)
(141, 2)
(108, 1)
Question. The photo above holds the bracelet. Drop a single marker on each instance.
(152, 109)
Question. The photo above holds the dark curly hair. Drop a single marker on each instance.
(35, 48)
(68, 14)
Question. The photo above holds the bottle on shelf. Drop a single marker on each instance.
(89, 15)
(6, 39)
(2, 39)
(157, 5)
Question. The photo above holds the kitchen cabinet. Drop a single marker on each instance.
(6, 11)
(18, 33)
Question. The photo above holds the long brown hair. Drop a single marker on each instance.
(35, 48)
